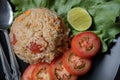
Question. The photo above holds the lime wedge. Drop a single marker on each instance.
(79, 19)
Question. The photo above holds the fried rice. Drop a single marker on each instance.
(38, 35)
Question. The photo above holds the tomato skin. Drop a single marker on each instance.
(56, 65)
(75, 64)
(38, 69)
(27, 75)
(85, 44)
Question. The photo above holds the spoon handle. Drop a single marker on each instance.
(5, 65)
(13, 61)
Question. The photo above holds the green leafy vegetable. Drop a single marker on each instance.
(103, 12)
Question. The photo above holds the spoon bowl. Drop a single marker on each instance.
(6, 14)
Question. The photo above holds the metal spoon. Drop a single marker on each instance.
(6, 17)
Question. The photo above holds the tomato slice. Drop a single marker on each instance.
(27, 75)
(58, 72)
(41, 72)
(85, 44)
(75, 64)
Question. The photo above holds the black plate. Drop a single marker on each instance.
(105, 65)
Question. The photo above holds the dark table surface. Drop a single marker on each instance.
(105, 65)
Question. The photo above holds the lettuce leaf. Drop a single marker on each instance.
(103, 13)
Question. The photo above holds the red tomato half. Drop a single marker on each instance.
(58, 72)
(75, 64)
(85, 44)
(27, 75)
(41, 72)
